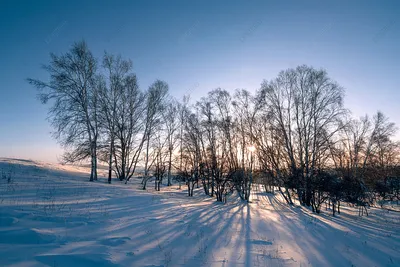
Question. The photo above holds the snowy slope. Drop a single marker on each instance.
(50, 215)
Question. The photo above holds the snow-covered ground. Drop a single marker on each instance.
(51, 215)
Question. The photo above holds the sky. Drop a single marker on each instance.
(197, 46)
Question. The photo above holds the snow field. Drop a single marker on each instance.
(50, 215)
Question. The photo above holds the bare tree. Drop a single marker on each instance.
(73, 92)
(244, 109)
(366, 155)
(171, 122)
(129, 128)
(305, 106)
(117, 70)
(219, 157)
(155, 97)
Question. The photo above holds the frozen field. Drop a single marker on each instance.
(51, 215)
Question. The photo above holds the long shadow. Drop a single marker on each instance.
(248, 261)
(199, 230)
(150, 227)
(317, 234)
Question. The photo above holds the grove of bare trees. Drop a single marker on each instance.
(293, 135)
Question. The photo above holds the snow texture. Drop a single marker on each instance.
(51, 215)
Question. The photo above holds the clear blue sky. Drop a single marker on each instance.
(197, 46)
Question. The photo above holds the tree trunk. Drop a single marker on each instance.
(95, 168)
(286, 199)
(95, 160)
(169, 168)
(92, 167)
(212, 185)
(110, 162)
(144, 183)
(146, 171)
(308, 194)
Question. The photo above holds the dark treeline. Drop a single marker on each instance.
(293, 134)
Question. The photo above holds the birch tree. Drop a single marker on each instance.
(72, 91)
(129, 128)
(155, 97)
(117, 70)
(171, 122)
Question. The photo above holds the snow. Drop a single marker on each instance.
(51, 215)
